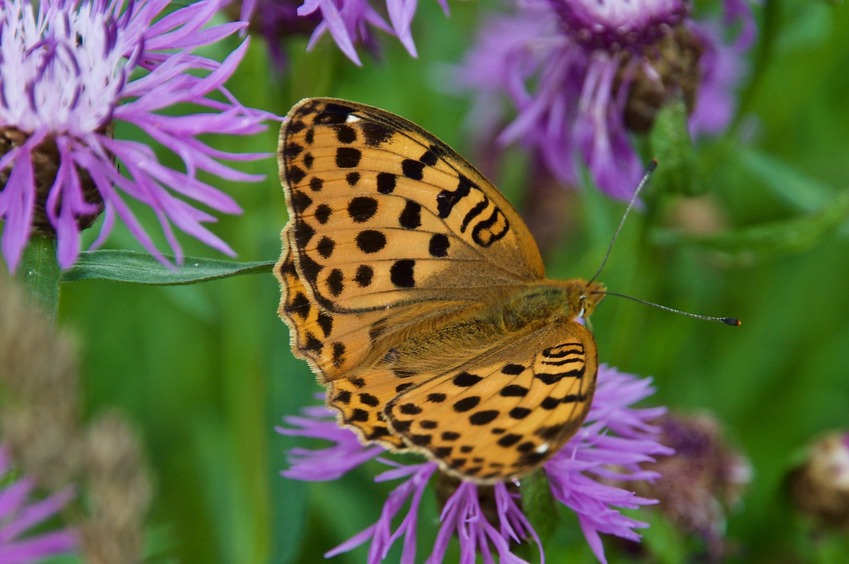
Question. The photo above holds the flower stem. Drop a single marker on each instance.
(39, 273)
(538, 505)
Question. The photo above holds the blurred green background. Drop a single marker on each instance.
(205, 372)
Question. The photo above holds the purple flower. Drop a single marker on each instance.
(69, 71)
(702, 483)
(348, 21)
(584, 74)
(19, 512)
(345, 453)
(275, 21)
(614, 441)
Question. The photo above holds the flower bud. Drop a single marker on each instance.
(820, 486)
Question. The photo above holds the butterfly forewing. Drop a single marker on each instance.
(331, 343)
(384, 213)
(403, 277)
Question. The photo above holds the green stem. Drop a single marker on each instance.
(39, 273)
(768, 33)
(538, 505)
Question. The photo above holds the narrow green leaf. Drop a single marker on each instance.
(774, 238)
(792, 186)
(141, 268)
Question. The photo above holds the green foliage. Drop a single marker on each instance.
(142, 268)
(205, 371)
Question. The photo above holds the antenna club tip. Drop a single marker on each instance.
(652, 165)
(733, 321)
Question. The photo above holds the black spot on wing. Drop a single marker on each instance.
(345, 133)
(411, 216)
(294, 127)
(323, 213)
(325, 247)
(466, 404)
(401, 273)
(370, 241)
(362, 208)
(292, 150)
(438, 246)
(300, 201)
(428, 158)
(376, 133)
(364, 275)
(294, 175)
(335, 282)
(303, 234)
(483, 417)
(348, 157)
(333, 113)
(386, 182)
(326, 323)
(465, 379)
(412, 169)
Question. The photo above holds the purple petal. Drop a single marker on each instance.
(16, 207)
(20, 512)
(333, 22)
(345, 453)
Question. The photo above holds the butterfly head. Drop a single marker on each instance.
(583, 297)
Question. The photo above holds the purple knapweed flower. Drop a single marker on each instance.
(275, 21)
(702, 483)
(69, 72)
(349, 22)
(20, 512)
(585, 74)
(612, 444)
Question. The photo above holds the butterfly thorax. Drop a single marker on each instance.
(519, 310)
(551, 300)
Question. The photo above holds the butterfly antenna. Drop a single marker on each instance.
(643, 182)
(733, 321)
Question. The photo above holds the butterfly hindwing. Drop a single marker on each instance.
(502, 413)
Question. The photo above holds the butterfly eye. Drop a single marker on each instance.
(583, 305)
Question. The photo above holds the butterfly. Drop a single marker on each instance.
(418, 297)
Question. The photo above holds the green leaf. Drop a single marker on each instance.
(141, 268)
(769, 239)
(795, 188)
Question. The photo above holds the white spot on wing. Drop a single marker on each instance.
(352, 118)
